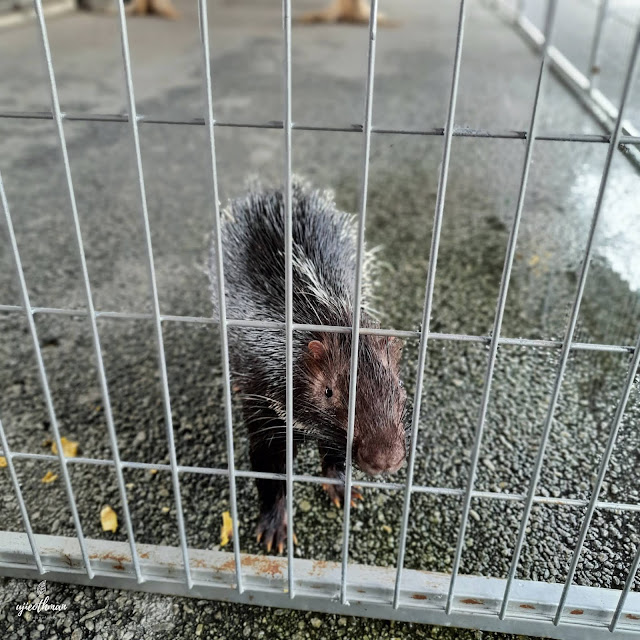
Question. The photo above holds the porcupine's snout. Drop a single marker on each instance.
(383, 452)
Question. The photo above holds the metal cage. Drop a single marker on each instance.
(561, 611)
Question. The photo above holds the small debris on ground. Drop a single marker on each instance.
(226, 531)
(49, 477)
(108, 519)
(69, 448)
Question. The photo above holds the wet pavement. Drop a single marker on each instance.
(413, 69)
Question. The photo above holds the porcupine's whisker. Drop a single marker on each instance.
(279, 434)
(256, 416)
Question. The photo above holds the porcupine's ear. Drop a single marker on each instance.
(316, 349)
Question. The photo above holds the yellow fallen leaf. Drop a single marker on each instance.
(3, 462)
(165, 509)
(153, 471)
(49, 477)
(69, 448)
(226, 531)
(108, 519)
(387, 528)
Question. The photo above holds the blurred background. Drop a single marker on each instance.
(412, 82)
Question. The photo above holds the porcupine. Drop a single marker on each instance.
(324, 266)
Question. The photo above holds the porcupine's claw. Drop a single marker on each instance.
(336, 491)
(272, 528)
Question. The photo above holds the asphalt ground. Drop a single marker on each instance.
(412, 80)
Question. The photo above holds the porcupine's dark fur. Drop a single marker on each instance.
(324, 264)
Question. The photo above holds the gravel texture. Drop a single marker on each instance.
(101, 614)
(412, 79)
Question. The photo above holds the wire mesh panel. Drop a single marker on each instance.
(401, 591)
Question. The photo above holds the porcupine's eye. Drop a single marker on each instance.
(328, 392)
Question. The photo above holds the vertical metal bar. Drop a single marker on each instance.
(44, 381)
(593, 68)
(357, 302)
(604, 464)
(102, 377)
(222, 303)
(15, 481)
(625, 591)
(500, 307)
(288, 257)
(428, 299)
(568, 338)
(162, 365)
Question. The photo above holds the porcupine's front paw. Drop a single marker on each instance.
(336, 491)
(272, 527)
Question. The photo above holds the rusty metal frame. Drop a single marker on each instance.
(370, 589)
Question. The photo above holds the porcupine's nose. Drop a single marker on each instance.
(380, 456)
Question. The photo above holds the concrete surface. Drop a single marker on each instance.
(412, 83)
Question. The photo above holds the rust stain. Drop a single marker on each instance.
(576, 612)
(472, 601)
(229, 565)
(144, 555)
(119, 560)
(419, 596)
(200, 563)
(267, 566)
(318, 567)
(527, 606)
(67, 559)
(632, 617)
(361, 591)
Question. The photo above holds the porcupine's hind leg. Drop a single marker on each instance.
(267, 438)
(333, 468)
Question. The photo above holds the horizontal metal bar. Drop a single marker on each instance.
(452, 337)
(317, 584)
(459, 132)
(367, 484)
(598, 105)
